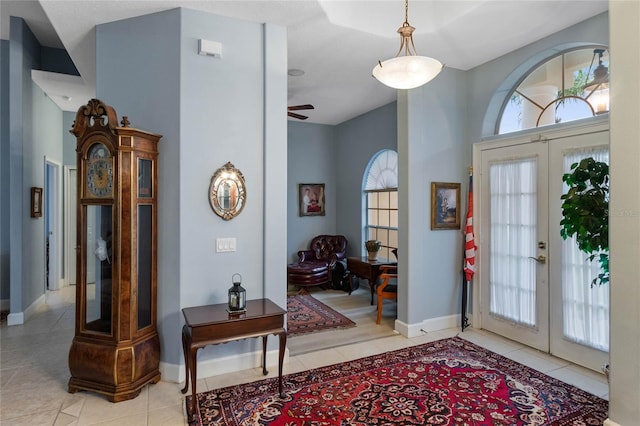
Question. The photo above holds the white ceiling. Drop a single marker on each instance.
(336, 42)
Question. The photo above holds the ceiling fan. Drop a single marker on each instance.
(298, 108)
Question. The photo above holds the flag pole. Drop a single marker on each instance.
(464, 321)
(468, 253)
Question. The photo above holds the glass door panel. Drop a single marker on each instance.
(145, 258)
(98, 292)
(579, 310)
(515, 298)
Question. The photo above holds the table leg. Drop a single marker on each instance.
(264, 355)
(283, 345)
(194, 367)
(372, 286)
(185, 351)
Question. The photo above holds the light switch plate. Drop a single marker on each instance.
(224, 245)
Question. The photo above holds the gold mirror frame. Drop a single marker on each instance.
(227, 192)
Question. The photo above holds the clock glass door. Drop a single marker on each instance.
(98, 258)
(145, 265)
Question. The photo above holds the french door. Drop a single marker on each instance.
(535, 287)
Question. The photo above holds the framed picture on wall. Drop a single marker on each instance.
(311, 199)
(36, 202)
(445, 205)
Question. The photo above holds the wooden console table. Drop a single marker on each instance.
(212, 324)
(362, 267)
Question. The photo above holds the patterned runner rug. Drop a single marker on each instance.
(307, 315)
(447, 382)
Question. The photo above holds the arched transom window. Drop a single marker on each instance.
(567, 87)
(381, 193)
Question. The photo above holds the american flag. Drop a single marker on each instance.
(469, 239)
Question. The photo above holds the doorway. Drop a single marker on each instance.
(52, 223)
(535, 287)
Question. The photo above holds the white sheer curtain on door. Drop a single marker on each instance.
(512, 274)
(585, 308)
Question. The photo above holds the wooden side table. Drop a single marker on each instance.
(362, 267)
(213, 324)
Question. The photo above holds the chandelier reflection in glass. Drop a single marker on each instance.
(597, 90)
(408, 71)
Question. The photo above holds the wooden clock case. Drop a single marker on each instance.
(116, 348)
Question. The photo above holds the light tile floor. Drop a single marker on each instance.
(34, 374)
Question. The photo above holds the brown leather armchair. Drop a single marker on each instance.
(315, 265)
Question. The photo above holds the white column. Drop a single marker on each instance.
(624, 210)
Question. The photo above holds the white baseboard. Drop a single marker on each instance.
(171, 372)
(608, 422)
(213, 367)
(441, 323)
(17, 318)
(35, 305)
(432, 324)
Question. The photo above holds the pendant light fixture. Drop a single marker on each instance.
(407, 71)
(598, 88)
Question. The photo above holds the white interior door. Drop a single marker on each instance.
(70, 226)
(535, 287)
(515, 296)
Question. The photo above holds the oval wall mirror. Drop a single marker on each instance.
(227, 192)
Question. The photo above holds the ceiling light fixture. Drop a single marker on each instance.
(408, 71)
(598, 88)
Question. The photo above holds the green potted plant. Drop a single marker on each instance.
(585, 210)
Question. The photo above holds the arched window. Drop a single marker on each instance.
(569, 86)
(381, 194)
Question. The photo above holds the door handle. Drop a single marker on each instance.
(539, 259)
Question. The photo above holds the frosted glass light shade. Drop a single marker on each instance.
(599, 99)
(407, 72)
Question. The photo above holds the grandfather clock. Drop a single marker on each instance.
(116, 348)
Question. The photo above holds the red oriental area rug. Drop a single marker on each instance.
(447, 382)
(306, 315)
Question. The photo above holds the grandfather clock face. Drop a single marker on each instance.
(99, 170)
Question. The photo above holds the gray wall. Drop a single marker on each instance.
(209, 111)
(312, 157)
(431, 148)
(34, 125)
(57, 60)
(336, 156)
(68, 139)
(31, 131)
(357, 141)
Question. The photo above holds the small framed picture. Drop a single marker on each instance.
(36, 202)
(445, 205)
(311, 199)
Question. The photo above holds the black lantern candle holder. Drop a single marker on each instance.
(237, 296)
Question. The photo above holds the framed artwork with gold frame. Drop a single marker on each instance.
(311, 199)
(445, 205)
(36, 201)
